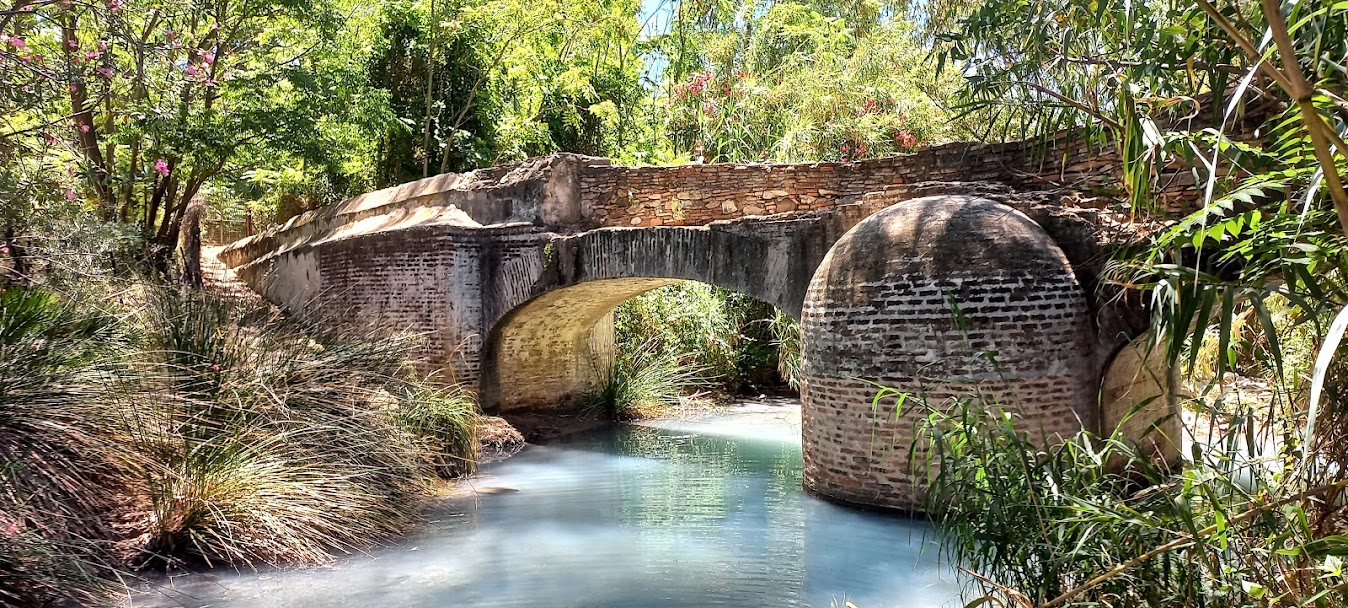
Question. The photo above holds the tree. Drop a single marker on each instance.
(144, 103)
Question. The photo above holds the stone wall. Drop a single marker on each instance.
(697, 194)
(568, 192)
(511, 310)
(941, 298)
(509, 277)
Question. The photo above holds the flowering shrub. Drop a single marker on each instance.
(814, 97)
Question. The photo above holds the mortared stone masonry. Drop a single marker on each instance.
(511, 274)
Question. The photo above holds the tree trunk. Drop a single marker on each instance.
(19, 271)
(190, 248)
(86, 132)
(175, 229)
(430, 81)
(129, 188)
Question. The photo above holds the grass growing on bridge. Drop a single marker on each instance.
(184, 429)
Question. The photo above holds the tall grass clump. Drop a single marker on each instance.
(269, 443)
(149, 426)
(57, 468)
(445, 422)
(644, 383)
(731, 337)
(786, 339)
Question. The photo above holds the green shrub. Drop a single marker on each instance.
(730, 337)
(1044, 525)
(644, 383)
(786, 338)
(446, 424)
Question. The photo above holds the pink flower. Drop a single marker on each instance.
(70, 194)
(161, 166)
(84, 127)
(191, 70)
(209, 58)
(72, 44)
(104, 72)
(905, 140)
(215, 367)
(4, 250)
(170, 34)
(17, 42)
(91, 55)
(114, 5)
(102, 46)
(74, 87)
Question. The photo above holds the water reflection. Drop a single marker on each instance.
(691, 515)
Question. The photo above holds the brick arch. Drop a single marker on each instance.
(551, 346)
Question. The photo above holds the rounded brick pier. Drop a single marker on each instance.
(940, 297)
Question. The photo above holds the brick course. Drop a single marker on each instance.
(509, 276)
(941, 297)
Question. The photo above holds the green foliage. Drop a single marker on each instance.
(128, 110)
(1092, 522)
(134, 108)
(644, 382)
(786, 337)
(1246, 282)
(445, 421)
(797, 85)
(725, 334)
(690, 336)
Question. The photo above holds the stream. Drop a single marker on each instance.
(668, 513)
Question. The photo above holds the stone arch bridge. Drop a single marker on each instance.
(511, 273)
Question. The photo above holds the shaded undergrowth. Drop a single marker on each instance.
(693, 340)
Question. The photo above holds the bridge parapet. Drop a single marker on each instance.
(567, 192)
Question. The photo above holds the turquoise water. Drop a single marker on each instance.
(678, 514)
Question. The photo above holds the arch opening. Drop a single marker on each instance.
(554, 352)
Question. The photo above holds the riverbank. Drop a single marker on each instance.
(653, 514)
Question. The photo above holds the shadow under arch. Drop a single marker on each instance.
(551, 350)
